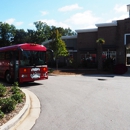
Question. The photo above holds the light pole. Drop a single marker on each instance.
(128, 9)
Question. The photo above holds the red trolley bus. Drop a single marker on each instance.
(23, 62)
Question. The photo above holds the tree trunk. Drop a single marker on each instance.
(57, 60)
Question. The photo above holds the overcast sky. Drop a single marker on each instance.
(73, 14)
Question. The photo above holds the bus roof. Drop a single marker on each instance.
(24, 46)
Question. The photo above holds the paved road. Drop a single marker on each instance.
(83, 103)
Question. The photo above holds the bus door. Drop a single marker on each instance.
(8, 66)
(14, 65)
(2, 66)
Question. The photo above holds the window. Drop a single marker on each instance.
(32, 58)
(2, 55)
(88, 60)
(127, 39)
(8, 55)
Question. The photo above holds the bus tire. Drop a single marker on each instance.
(8, 77)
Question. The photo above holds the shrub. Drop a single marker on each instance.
(15, 84)
(1, 114)
(120, 69)
(7, 105)
(50, 70)
(15, 88)
(2, 90)
(17, 97)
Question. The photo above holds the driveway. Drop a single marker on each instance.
(83, 102)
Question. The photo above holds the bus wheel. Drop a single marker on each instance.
(8, 77)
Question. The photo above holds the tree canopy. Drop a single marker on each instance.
(58, 45)
(7, 33)
(10, 35)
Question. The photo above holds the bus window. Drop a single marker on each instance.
(7, 55)
(30, 58)
(2, 56)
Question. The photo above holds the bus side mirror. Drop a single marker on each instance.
(49, 50)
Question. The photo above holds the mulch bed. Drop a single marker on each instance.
(83, 72)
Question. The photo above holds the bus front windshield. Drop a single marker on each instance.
(32, 58)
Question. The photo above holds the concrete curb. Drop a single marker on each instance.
(34, 113)
(27, 116)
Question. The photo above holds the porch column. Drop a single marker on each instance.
(99, 56)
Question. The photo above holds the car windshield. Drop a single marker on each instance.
(32, 58)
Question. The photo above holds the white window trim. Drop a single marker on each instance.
(125, 37)
(72, 50)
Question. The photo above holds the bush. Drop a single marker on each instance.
(15, 88)
(7, 105)
(17, 97)
(1, 114)
(120, 69)
(15, 84)
(50, 70)
(2, 90)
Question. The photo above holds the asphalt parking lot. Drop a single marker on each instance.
(94, 102)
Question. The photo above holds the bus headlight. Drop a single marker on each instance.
(24, 76)
(45, 74)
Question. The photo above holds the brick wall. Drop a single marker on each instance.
(87, 40)
(113, 36)
(108, 34)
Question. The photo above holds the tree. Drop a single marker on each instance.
(42, 32)
(66, 31)
(7, 33)
(20, 36)
(58, 46)
(100, 42)
(31, 36)
(10, 35)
